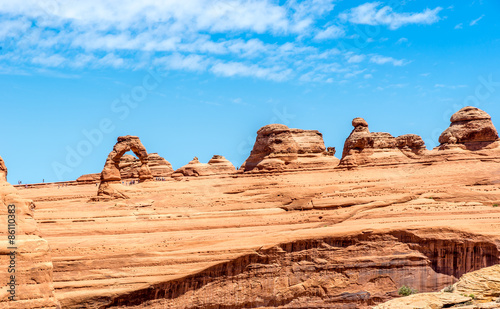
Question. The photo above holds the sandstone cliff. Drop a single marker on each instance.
(278, 147)
(31, 263)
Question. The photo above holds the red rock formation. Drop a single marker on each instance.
(218, 165)
(32, 261)
(471, 128)
(278, 147)
(363, 147)
(111, 171)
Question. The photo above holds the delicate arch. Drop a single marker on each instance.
(111, 171)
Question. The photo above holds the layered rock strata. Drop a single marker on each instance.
(26, 272)
(278, 147)
(363, 147)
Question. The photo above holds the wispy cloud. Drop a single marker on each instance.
(378, 59)
(332, 32)
(475, 21)
(231, 38)
(459, 26)
(373, 14)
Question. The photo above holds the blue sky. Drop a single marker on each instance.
(198, 78)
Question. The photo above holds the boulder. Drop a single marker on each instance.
(278, 147)
(470, 128)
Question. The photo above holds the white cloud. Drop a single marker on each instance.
(177, 61)
(367, 76)
(459, 26)
(372, 14)
(475, 21)
(378, 59)
(402, 40)
(332, 32)
(355, 58)
(253, 38)
(230, 69)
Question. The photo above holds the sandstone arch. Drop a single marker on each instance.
(111, 172)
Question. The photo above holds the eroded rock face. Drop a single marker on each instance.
(470, 128)
(278, 147)
(33, 264)
(111, 171)
(364, 147)
(348, 272)
(218, 165)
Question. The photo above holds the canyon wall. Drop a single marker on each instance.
(356, 271)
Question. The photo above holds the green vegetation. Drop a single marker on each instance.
(495, 205)
(406, 290)
(448, 289)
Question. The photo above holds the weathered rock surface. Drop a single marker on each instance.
(218, 165)
(363, 147)
(111, 172)
(278, 147)
(32, 264)
(478, 289)
(471, 128)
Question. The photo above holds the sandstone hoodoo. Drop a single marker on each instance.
(363, 147)
(111, 171)
(218, 165)
(26, 271)
(471, 128)
(278, 147)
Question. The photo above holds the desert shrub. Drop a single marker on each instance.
(448, 289)
(406, 290)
